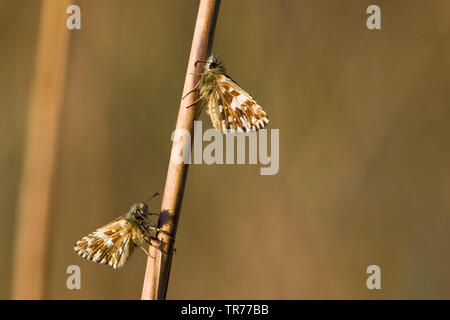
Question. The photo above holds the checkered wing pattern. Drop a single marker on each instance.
(233, 110)
(111, 244)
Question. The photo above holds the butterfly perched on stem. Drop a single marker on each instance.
(114, 243)
(230, 107)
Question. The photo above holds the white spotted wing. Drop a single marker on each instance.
(111, 244)
(233, 110)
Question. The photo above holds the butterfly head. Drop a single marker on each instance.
(214, 64)
(138, 211)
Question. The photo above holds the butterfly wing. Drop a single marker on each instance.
(111, 244)
(233, 110)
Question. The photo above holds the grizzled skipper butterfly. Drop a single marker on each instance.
(230, 107)
(114, 243)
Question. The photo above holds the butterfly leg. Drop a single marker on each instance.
(155, 242)
(156, 229)
(193, 89)
(195, 102)
(201, 108)
(146, 252)
(165, 232)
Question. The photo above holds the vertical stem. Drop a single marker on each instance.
(158, 268)
(40, 152)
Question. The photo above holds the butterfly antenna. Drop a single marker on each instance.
(200, 62)
(151, 197)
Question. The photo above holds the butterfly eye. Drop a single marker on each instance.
(212, 65)
(137, 214)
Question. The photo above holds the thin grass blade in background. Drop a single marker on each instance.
(40, 152)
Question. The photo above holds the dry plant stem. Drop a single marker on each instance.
(40, 151)
(158, 268)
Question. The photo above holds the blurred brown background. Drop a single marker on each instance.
(364, 147)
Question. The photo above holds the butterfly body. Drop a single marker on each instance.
(230, 107)
(114, 243)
